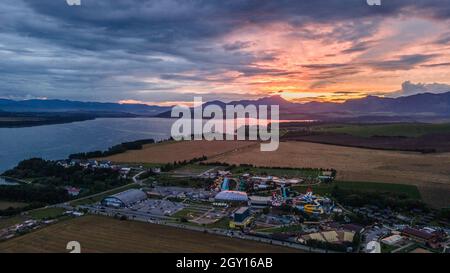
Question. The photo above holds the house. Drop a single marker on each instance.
(72, 191)
(105, 164)
(63, 163)
(125, 171)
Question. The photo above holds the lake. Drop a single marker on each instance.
(60, 140)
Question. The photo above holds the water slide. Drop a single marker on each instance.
(226, 184)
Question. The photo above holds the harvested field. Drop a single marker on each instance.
(392, 129)
(429, 172)
(426, 143)
(168, 152)
(101, 234)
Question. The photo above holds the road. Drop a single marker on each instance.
(135, 178)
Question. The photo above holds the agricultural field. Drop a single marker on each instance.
(429, 172)
(176, 181)
(396, 129)
(192, 169)
(325, 188)
(168, 152)
(418, 137)
(101, 234)
(282, 172)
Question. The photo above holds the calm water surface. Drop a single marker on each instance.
(60, 140)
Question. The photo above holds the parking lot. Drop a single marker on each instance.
(157, 207)
(178, 192)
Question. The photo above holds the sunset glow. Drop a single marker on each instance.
(325, 51)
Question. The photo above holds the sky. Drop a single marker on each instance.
(168, 51)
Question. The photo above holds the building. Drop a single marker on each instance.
(418, 235)
(332, 236)
(231, 196)
(290, 182)
(72, 191)
(125, 171)
(242, 218)
(241, 214)
(373, 247)
(105, 164)
(392, 240)
(124, 199)
(259, 202)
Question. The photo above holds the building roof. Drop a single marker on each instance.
(257, 198)
(418, 233)
(392, 240)
(331, 236)
(241, 210)
(237, 196)
(373, 247)
(130, 196)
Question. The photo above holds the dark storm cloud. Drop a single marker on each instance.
(51, 49)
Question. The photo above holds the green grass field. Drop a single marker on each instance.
(46, 213)
(325, 189)
(398, 129)
(192, 169)
(223, 223)
(187, 213)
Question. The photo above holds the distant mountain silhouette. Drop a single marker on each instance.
(420, 104)
(415, 104)
(36, 105)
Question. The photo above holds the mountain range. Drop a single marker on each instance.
(48, 106)
(420, 105)
(426, 104)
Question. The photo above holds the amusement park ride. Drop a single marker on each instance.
(308, 202)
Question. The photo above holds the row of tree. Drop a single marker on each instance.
(116, 149)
